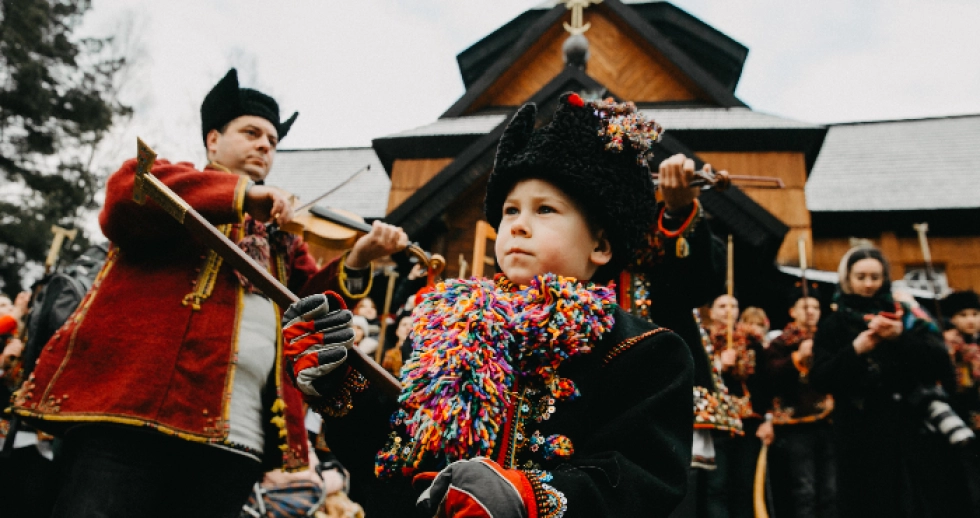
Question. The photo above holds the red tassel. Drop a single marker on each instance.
(576, 100)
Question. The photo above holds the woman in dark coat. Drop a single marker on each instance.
(875, 355)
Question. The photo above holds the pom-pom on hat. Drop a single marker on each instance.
(226, 102)
(958, 301)
(596, 153)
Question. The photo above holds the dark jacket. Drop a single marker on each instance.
(886, 465)
(631, 431)
(794, 400)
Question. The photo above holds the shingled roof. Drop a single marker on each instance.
(897, 166)
(309, 173)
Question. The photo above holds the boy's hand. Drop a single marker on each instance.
(475, 488)
(676, 174)
(384, 239)
(316, 338)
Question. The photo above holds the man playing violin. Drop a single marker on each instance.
(167, 384)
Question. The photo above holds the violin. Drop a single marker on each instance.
(720, 180)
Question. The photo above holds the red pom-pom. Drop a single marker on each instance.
(576, 100)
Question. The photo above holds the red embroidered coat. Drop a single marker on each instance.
(154, 343)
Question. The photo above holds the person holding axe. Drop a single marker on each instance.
(168, 384)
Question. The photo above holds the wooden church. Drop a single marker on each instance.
(681, 72)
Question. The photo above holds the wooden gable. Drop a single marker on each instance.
(407, 175)
(619, 58)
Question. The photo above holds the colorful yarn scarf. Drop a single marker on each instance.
(473, 340)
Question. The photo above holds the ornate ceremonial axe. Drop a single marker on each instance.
(59, 240)
(148, 186)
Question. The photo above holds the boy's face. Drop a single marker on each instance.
(806, 312)
(721, 307)
(967, 321)
(543, 231)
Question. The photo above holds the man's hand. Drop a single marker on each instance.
(317, 333)
(384, 239)
(13, 349)
(806, 348)
(729, 357)
(268, 203)
(766, 433)
(676, 174)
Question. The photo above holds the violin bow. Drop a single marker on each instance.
(433, 263)
(148, 186)
(334, 189)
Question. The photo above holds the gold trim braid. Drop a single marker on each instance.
(204, 285)
(240, 191)
(342, 278)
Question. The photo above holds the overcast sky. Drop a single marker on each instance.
(361, 69)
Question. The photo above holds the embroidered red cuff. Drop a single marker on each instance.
(548, 501)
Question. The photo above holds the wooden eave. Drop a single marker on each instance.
(711, 87)
(805, 140)
(390, 149)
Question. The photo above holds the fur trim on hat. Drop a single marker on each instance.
(595, 152)
(226, 102)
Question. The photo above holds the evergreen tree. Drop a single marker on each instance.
(57, 102)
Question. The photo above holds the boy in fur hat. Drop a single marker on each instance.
(532, 394)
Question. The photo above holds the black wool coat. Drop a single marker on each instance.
(887, 465)
(630, 428)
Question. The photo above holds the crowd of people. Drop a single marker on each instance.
(563, 387)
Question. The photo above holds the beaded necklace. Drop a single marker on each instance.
(473, 340)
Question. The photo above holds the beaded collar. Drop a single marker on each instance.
(473, 341)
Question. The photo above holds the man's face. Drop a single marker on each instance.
(543, 231)
(721, 308)
(806, 312)
(966, 321)
(247, 147)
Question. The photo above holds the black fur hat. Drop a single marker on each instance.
(796, 292)
(226, 102)
(958, 301)
(595, 152)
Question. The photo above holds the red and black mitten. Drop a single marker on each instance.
(476, 488)
(316, 335)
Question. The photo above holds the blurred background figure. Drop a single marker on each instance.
(887, 367)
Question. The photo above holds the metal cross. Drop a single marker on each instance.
(576, 6)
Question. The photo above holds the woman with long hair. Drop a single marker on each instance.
(885, 363)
